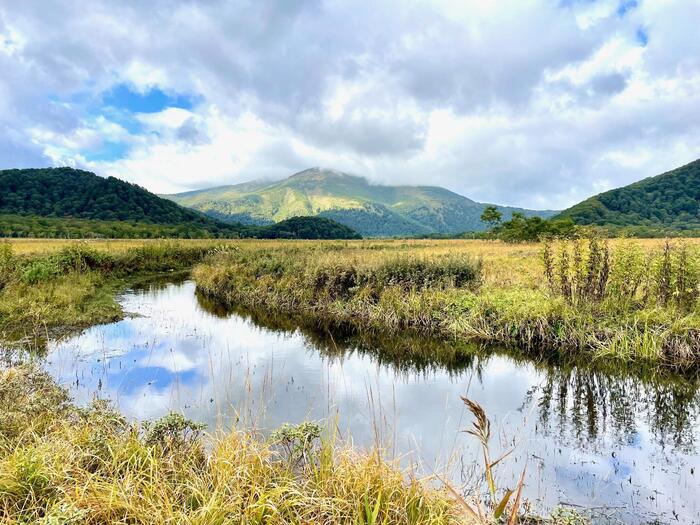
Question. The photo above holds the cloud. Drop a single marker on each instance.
(538, 103)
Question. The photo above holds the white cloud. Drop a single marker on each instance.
(536, 103)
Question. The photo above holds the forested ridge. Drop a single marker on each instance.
(68, 192)
(670, 200)
(66, 202)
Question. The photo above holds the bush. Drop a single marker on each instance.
(172, 431)
(298, 442)
(80, 258)
(413, 273)
(39, 271)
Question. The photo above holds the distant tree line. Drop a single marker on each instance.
(68, 228)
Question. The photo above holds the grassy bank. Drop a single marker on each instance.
(632, 300)
(59, 286)
(62, 464)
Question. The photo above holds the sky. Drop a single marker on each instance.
(533, 103)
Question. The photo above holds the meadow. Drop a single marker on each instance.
(619, 299)
(608, 301)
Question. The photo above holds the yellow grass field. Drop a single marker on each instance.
(505, 264)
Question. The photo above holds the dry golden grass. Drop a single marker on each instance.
(43, 246)
(505, 265)
(61, 464)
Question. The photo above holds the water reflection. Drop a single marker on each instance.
(592, 437)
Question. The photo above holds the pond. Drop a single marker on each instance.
(622, 445)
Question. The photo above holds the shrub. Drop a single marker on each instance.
(172, 431)
(298, 442)
(80, 258)
(39, 271)
(410, 273)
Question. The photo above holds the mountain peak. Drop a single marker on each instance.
(371, 209)
(318, 172)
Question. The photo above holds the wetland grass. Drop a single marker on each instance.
(66, 286)
(63, 464)
(626, 300)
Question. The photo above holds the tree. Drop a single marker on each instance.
(491, 216)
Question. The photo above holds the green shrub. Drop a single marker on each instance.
(39, 271)
(172, 431)
(80, 258)
(299, 443)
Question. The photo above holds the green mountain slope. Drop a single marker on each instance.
(670, 200)
(372, 210)
(67, 202)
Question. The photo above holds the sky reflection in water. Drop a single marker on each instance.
(589, 438)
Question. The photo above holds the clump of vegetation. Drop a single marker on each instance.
(667, 277)
(6, 264)
(300, 443)
(394, 292)
(575, 277)
(173, 431)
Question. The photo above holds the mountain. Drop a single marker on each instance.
(670, 200)
(70, 202)
(373, 210)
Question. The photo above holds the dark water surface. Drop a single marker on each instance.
(623, 445)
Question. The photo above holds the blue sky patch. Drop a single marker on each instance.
(107, 152)
(124, 98)
(159, 378)
(642, 37)
(625, 6)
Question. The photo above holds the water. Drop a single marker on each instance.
(622, 445)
